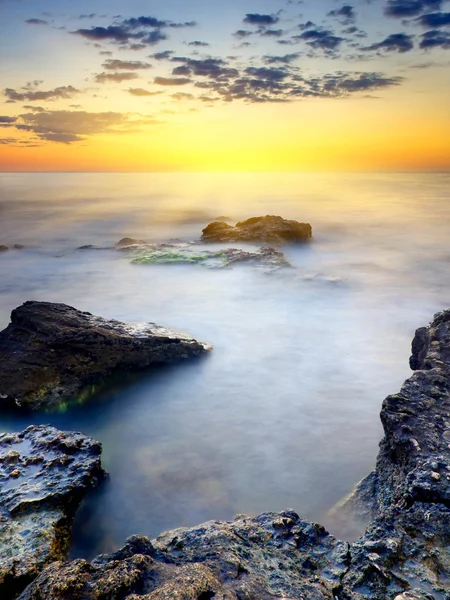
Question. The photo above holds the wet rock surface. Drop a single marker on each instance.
(219, 259)
(51, 353)
(44, 475)
(403, 555)
(268, 229)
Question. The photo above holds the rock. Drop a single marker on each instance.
(186, 254)
(269, 229)
(52, 352)
(18, 246)
(127, 241)
(3, 248)
(44, 475)
(404, 553)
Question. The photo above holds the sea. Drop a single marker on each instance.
(284, 412)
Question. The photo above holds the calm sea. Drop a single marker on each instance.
(284, 413)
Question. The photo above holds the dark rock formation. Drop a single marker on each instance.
(53, 352)
(403, 555)
(268, 229)
(3, 248)
(44, 475)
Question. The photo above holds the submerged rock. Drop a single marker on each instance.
(185, 254)
(403, 555)
(3, 248)
(44, 475)
(52, 352)
(271, 229)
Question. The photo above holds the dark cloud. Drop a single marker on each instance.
(338, 85)
(435, 39)
(434, 20)
(307, 25)
(359, 33)
(172, 80)
(182, 96)
(126, 65)
(320, 39)
(89, 16)
(215, 68)
(4, 119)
(410, 8)
(29, 95)
(271, 32)
(396, 42)
(198, 44)
(162, 55)
(267, 74)
(114, 77)
(36, 22)
(260, 20)
(286, 59)
(134, 47)
(105, 53)
(35, 108)
(143, 30)
(141, 92)
(243, 33)
(345, 14)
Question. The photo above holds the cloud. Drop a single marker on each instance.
(162, 55)
(35, 108)
(144, 30)
(58, 93)
(345, 14)
(105, 53)
(396, 42)
(435, 39)
(65, 126)
(117, 77)
(260, 20)
(243, 33)
(286, 59)
(128, 65)
(215, 68)
(7, 120)
(434, 20)
(320, 39)
(182, 96)
(198, 44)
(410, 8)
(36, 22)
(171, 80)
(141, 92)
(343, 84)
(271, 32)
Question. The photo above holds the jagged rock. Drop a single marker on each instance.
(44, 475)
(3, 248)
(127, 241)
(269, 229)
(19, 246)
(53, 352)
(403, 555)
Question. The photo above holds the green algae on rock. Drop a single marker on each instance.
(53, 353)
(44, 475)
(178, 254)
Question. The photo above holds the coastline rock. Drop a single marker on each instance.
(269, 229)
(3, 248)
(220, 259)
(18, 246)
(404, 553)
(53, 352)
(44, 475)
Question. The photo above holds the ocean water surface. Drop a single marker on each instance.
(284, 412)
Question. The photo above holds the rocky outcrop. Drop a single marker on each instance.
(44, 475)
(3, 248)
(221, 259)
(403, 555)
(268, 229)
(52, 352)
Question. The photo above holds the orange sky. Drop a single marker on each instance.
(254, 88)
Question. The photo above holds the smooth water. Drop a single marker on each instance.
(284, 412)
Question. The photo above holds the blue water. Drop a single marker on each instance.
(284, 412)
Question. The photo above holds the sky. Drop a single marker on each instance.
(235, 85)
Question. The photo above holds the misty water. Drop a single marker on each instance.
(284, 412)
